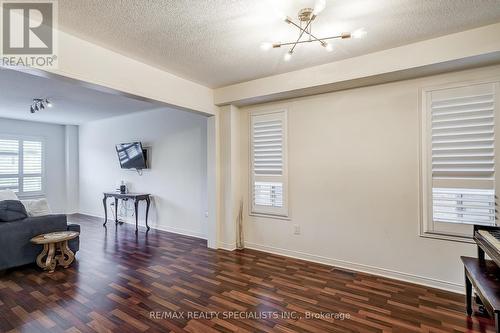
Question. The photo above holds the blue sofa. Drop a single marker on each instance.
(15, 246)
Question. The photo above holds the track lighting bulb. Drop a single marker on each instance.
(40, 104)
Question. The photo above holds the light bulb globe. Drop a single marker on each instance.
(359, 33)
(319, 7)
(266, 46)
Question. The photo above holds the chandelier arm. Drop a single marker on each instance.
(320, 40)
(300, 36)
(307, 32)
(334, 37)
(308, 41)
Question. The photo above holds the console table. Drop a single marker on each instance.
(136, 197)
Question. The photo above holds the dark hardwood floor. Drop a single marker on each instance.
(162, 282)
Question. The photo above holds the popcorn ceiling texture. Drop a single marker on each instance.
(216, 42)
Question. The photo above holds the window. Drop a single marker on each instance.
(268, 164)
(458, 155)
(21, 165)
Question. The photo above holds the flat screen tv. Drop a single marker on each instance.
(131, 155)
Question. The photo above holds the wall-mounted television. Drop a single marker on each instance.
(132, 155)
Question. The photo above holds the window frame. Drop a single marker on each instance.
(269, 212)
(21, 138)
(426, 222)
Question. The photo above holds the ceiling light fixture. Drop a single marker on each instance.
(40, 104)
(306, 17)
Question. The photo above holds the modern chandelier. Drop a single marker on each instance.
(306, 17)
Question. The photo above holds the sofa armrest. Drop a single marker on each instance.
(74, 244)
(74, 227)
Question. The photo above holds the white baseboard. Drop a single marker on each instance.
(425, 281)
(227, 246)
(89, 214)
(179, 231)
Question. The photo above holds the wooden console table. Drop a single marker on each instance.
(136, 197)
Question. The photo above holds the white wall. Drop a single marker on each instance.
(354, 184)
(55, 165)
(230, 168)
(72, 173)
(178, 175)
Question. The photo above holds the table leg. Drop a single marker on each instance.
(468, 295)
(67, 256)
(136, 210)
(105, 210)
(148, 203)
(39, 259)
(480, 253)
(50, 263)
(497, 321)
(116, 210)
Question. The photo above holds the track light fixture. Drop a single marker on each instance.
(306, 17)
(40, 104)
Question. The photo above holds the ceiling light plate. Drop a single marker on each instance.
(306, 14)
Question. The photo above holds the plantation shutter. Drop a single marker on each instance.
(32, 166)
(9, 164)
(268, 154)
(21, 166)
(463, 156)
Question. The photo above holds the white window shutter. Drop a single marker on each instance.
(463, 142)
(462, 161)
(32, 166)
(21, 165)
(268, 167)
(9, 164)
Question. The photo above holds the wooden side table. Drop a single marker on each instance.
(55, 249)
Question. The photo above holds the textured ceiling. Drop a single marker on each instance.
(73, 104)
(216, 42)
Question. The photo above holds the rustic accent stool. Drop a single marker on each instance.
(55, 249)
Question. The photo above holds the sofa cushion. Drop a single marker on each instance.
(8, 195)
(39, 207)
(12, 210)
